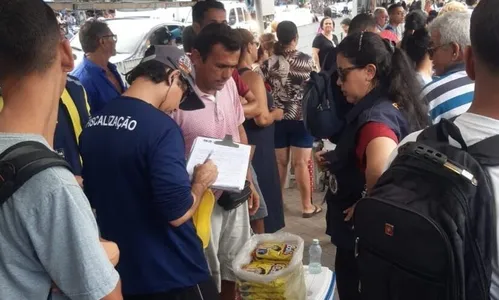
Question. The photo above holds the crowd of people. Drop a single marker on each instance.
(119, 179)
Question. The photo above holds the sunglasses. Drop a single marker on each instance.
(343, 73)
(113, 36)
(257, 44)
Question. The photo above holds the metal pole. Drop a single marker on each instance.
(259, 15)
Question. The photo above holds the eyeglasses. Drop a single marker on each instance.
(114, 36)
(343, 73)
(433, 50)
(257, 44)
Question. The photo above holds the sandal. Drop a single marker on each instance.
(317, 210)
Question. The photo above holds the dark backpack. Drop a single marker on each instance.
(318, 110)
(324, 105)
(426, 230)
(22, 161)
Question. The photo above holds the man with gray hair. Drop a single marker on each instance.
(381, 16)
(451, 93)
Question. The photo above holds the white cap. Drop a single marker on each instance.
(315, 241)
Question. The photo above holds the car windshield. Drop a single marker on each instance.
(129, 36)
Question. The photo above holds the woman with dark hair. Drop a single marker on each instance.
(328, 13)
(417, 46)
(379, 81)
(287, 71)
(260, 132)
(323, 42)
(414, 20)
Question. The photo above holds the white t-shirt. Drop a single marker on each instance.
(475, 128)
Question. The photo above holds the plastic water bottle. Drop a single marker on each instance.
(315, 254)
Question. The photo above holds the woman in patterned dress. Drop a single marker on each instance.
(286, 71)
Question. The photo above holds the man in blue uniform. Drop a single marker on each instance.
(73, 114)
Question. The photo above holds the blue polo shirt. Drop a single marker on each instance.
(136, 179)
(100, 89)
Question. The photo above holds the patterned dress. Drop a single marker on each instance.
(287, 75)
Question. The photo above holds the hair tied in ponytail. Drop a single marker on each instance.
(278, 48)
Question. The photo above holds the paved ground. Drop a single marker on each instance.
(308, 229)
(306, 35)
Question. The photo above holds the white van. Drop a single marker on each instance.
(238, 16)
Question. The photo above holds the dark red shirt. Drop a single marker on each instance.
(367, 133)
(242, 88)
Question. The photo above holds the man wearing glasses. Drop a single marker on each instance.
(138, 183)
(99, 77)
(451, 93)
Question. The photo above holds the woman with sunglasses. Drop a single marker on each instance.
(260, 131)
(379, 81)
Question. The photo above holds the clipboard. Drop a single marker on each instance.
(231, 159)
(227, 141)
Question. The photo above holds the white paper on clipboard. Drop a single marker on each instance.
(231, 159)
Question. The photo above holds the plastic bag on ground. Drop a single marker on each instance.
(288, 283)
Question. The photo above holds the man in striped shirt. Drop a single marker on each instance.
(451, 93)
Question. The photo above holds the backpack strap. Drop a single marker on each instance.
(22, 161)
(486, 151)
(442, 131)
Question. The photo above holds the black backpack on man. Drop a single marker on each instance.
(22, 161)
(426, 230)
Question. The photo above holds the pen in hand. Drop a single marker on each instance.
(208, 157)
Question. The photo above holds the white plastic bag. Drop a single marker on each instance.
(290, 280)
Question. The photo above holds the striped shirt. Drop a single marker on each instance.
(450, 95)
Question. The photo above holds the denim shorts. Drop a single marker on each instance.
(292, 133)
